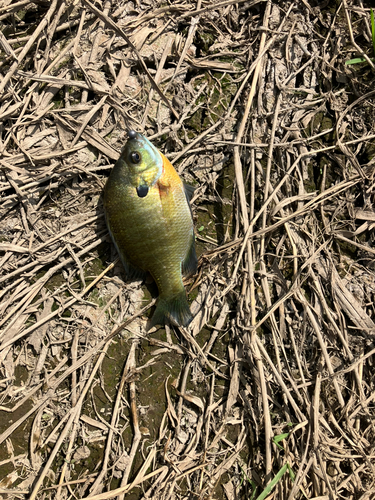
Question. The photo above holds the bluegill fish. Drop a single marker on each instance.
(148, 215)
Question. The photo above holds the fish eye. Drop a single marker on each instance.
(135, 157)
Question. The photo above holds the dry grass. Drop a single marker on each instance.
(270, 393)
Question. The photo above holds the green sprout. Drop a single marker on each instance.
(358, 60)
(279, 438)
(275, 480)
(244, 478)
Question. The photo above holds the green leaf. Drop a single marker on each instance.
(279, 438)
(252, 483)
(291, 473)
(357, 60)
(273, 483)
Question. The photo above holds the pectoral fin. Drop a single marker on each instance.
(163, 185)
(132, 272)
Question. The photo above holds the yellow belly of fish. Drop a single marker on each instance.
(152, 234)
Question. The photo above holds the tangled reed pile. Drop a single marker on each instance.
(264, 108)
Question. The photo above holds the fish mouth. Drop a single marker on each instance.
(138, 141)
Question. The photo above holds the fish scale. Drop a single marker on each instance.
(149, 219)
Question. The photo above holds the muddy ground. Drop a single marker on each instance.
(267, 109)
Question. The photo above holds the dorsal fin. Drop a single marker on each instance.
(190, 264)
(189, 191)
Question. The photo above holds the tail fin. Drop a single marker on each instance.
(173, 310)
